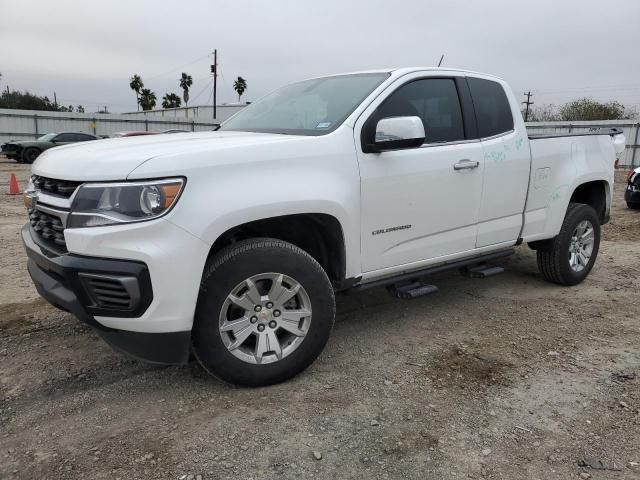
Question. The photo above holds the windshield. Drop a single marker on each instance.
(47, 137)
(312, 107)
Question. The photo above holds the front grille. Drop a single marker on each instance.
(64, 188)
(49, 229)
(111, 292)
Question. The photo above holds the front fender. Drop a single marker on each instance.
(242, 184)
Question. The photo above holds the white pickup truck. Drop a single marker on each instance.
(231, 244)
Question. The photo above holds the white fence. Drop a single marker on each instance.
(201, 112)
(30, 124)
(631, 129)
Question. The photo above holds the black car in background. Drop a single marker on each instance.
(27, 151)
(632, 192)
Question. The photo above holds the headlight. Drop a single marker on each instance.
(97, 204)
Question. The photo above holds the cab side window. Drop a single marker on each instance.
(493, 111)
(435, 101)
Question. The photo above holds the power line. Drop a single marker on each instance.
(590, 88)
(208, 84)
(177, 68)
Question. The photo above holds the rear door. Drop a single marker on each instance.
(507, 163)
(417, 204)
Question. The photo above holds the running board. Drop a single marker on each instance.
(411, 290)
(481, 271)
(436, 269)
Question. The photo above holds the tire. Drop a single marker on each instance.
(554, 260)
(633, 206)
(30, 154)
(281, 264)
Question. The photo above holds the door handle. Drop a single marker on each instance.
(466, 164)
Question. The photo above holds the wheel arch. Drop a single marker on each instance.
(595, 193)
(319, 234)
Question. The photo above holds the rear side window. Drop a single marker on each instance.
(435, 101)
(65, 137)
(81, 137)
(493, 111)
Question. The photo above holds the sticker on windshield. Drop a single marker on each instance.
(323, 125)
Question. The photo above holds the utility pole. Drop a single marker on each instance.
(214, 72)
(527, 103)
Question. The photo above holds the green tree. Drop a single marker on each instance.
(25, 101)
(590, 109)
(544, 113)
(147, 99)
(80, 109)
(185, 83)
(240, 86)
(170, 100)
(136, 85)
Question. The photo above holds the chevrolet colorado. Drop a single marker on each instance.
(231, 244)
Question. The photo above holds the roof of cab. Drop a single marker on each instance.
(400, 71)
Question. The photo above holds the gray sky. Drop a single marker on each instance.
(86, 51)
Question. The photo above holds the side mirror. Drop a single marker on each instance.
(396, 133)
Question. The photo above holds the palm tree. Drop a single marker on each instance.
(240, 85)
(136, 85)
(170, 100)
(147, 99)
(185, 82)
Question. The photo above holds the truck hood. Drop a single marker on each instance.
(116, 158)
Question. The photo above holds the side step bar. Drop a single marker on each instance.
(436, 269)
(483, 270)
(410, 290)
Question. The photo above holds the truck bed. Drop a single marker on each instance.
(594, 131)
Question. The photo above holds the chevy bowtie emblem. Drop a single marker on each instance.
(30, 198)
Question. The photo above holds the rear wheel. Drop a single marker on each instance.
(568, 258)
(265, 312)
(30, 154)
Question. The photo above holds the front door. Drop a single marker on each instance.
(422, 203)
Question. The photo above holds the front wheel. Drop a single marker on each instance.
(265, 312)
(30, 154)
(569, 257)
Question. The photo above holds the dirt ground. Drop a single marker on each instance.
(508, 377)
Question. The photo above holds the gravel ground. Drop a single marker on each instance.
(505, 378)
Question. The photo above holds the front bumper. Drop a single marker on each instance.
(63, 280)
(632, 196)
(11, 151)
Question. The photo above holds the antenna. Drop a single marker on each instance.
(441, 58)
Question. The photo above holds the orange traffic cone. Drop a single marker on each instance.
(13, 185)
